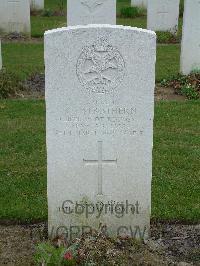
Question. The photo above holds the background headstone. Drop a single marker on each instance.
(139, 3)
(190, 48)
(15, 16)
(100, 101)
(0, 56)
(163, 15)
(83, 12)
(37, 4)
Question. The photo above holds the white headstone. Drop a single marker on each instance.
(139, 3)
(15, 16)
(190, 48)
(0, 56)
(163, 15)
(100, 102)
(37, 4)
(83, 12)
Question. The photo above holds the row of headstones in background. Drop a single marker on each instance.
(163, 15)
(15, 15)
(100, 83)
(91, 12)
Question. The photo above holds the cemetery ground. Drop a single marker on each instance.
(176, 154)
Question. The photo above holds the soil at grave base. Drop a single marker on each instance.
(170, 244)
(167, 94)
(35, 88)
(18, 38)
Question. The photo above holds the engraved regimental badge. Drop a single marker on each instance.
(92, 5)
(100, 67)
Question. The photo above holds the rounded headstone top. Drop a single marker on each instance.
(100, 26)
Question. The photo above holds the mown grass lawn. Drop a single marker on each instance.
(40, 23)
(22, 160)
(176, 171)
(24, 59)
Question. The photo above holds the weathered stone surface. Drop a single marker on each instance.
(139, 3)
(190, 48)
(15, 16)
(163, 15)
(83, 12)
(100, 102)
(37, 4)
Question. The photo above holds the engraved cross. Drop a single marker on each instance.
(100, 162)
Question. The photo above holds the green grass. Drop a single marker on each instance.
(54, 4)
(139, 22)
(168, 61)
(24, 59)
(41, 24)
(176, 171)
(22, 160)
